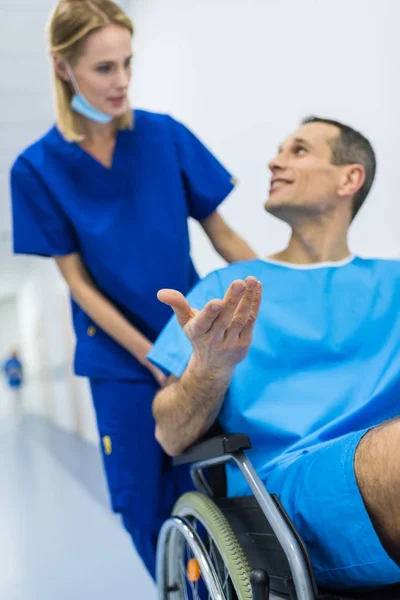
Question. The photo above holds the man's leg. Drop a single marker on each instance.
(320, 493)
(17, 403)
(377, 468)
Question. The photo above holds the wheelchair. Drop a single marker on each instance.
(219, 548)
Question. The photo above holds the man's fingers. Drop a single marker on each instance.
(244, 309)
(205, 318)
(177, 301)
(247, 332)
(233, 316)
(230, 303)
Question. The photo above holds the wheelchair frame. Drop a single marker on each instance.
(219, 450)
(223, 449)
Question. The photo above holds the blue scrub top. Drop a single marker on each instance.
(128, 222)
(13, 372)
(324, 361)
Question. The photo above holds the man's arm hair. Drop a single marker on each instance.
(221, 335)
(187, 407)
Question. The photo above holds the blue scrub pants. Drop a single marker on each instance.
(143, 485)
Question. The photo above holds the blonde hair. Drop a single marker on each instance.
(69, 25)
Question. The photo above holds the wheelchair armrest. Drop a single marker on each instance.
(214, 448)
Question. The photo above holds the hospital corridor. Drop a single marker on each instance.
(199, 300)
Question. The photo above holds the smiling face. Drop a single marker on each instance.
(103, 71)
(304, 180)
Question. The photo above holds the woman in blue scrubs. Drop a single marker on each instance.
(107, 192)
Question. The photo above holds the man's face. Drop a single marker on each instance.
(304, 180)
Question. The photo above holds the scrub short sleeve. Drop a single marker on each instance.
(206, 181)
(39, 225)
(172, 349)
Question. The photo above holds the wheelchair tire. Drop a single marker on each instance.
(194, 505)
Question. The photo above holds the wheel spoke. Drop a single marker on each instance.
(214, 546)
(218, 563)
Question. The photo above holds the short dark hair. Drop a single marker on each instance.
(349, 147)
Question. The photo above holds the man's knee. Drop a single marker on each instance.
(376, 457)
(377, 469)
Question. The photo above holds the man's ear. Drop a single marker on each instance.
(352, 179)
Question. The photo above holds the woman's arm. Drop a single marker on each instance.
(227, 242)
(103, 312)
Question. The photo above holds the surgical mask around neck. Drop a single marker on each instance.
(82, 106)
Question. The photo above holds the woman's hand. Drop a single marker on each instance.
(157, 374)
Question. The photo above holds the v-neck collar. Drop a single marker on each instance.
(98, 162)
(74, 150)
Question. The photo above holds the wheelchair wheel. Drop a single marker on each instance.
(225, 556)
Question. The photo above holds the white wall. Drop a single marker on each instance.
(26, 108)
(9, 329)
(242, 74)
(48, 343)
(9, 339)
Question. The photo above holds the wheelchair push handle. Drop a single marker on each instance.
(214, 448)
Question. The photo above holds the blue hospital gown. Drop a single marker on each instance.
(324, 361)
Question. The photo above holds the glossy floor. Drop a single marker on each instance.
(58, 538)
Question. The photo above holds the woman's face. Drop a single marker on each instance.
(103, 72)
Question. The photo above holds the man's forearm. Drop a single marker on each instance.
(186, 408)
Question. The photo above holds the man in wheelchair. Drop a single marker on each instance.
(301, 351)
